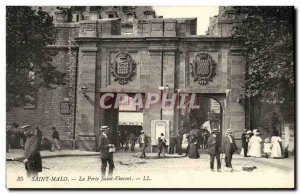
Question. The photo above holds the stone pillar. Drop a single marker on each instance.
(237, 110)
(169, 79)
(86, 103)
(155, 83)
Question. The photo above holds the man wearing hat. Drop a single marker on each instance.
(33, 160)
(143, 141)
(229, 147)
(105, 154)
(245, 141)
(214, 149)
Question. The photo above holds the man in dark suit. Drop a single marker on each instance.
(33, 160)
(105, 154)
(143, 141)
(229, 147)
(173, 142)
(245, 141)
(214, 149)
(179, 139)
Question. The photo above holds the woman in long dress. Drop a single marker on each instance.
(255, 145)
(276, 151)
(193, 148)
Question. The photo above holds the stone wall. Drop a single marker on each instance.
(47, 111)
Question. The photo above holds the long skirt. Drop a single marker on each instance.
(193, 151)
(255, 150)
(276, 150)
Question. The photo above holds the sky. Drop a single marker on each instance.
(202, 14)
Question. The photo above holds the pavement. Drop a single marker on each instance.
(174, 171)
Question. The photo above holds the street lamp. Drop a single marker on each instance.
(165, 88)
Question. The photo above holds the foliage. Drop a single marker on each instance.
(267, 33)
(28, 62)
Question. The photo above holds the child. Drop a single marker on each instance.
(267, 147)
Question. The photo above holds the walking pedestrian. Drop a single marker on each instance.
(255, 144)
(214, 149)
(161, 145)
(193, 148)
(143, 141)
(245, 141)
(106, 152)
(55, 140)
(276, 148)
(229, 147)
(33, 160)
(206, 135)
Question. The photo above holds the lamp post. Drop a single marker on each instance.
(162, 89)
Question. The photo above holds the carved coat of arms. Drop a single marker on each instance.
(123, 68)
(203, 68)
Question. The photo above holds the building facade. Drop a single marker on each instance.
(130, 50)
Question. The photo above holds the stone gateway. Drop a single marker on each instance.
(114, 52)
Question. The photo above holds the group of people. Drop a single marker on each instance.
(31, 140)
(16, 138)
(251, 143)
(214, 147)
(126, 141)
(254, 146)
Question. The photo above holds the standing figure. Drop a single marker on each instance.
(179, 139)
(119, 139)
(276, 151)
(143, 141)
(15, 137)
(106, 153)
(214, 149)
(55, 140)
(255, 145)
(201, 140)
(206, 135)
(8, 136)
(245, 141)
(132, 139)
(229, 147)
(193, 148)
(161, 145)
(33, 160)
(173, 142)
(126, 140)
(267, 147)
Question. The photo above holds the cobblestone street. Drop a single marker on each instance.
(192, 172)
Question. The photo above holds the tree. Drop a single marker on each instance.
(267, 33)
(28, 61)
